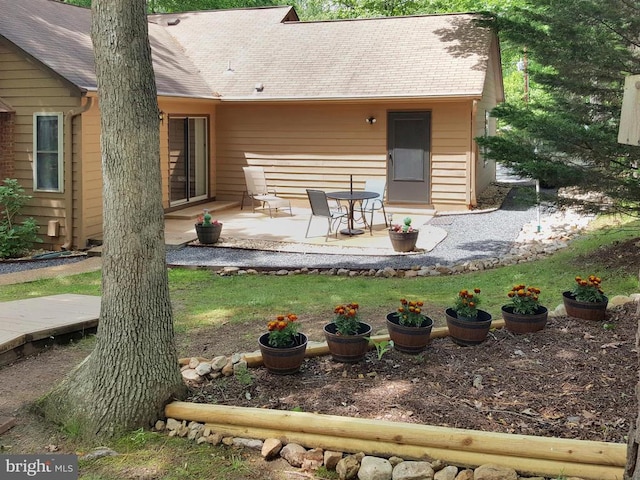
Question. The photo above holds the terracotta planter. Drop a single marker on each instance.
(348, 348)
(468, 332)
(403, 242)
(283, 361)
(584, 310)
(409, 339)
(524, 323)
(208, 234)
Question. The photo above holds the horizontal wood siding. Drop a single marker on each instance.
(30, 88)
(319, 146)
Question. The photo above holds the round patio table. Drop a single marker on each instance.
(351, 198)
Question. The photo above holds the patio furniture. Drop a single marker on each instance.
(351, 198)
(373, 204)
(320, 208)
(257, 190)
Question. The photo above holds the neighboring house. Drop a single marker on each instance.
(399, 98)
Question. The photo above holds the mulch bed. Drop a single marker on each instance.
(574, 379)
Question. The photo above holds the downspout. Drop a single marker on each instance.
(68, 171)
(471, 190)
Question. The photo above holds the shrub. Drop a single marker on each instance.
(15, 238)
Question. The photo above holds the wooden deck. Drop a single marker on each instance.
(29, 325)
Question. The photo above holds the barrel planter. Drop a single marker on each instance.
(403, 242)
(348, 348)
(468, 332)
(283, 360)
(524, 322)
(407, 339)
(208, 234)
(584, 310)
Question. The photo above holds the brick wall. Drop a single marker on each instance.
(7, 152)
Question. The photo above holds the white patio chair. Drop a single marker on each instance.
(320, 208)
(257, 190)
(370, 206)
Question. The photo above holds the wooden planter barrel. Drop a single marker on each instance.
(403, 242)
(584, 310)
(348, 348)
(406, 339)
(283, 361)
(465, 332)
(208, 234)
(524, 323)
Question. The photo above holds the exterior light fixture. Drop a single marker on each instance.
(370, 120)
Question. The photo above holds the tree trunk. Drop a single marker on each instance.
(632, 469)
(133, 370)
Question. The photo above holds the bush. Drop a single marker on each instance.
(15, 239)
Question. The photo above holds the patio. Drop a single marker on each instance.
(285, 233)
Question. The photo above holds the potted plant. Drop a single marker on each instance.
(586, 300)
(468, 325)
(403, 237)
(347, 337)
(524, 314)
(208, 231)
(283, 347)
(408, 327)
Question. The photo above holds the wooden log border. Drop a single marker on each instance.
(525, 453)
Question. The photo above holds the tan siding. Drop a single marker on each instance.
(30, 88)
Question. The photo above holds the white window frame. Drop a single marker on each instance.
(60, 152)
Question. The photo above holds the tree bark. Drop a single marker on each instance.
(632, 469)
(133, 370)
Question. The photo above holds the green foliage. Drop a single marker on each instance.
(466, 303)
(588, 289)
(243, 376)
(579, 52)
(383, 347)
(15, 238)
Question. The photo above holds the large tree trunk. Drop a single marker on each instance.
(632, 469)
(133, 370)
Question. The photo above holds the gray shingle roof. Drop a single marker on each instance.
(229, 52)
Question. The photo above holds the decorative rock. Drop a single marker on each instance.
(395, 461)
(215, 438)
(467, 475)
(281, 273)
(238, 367)
(173, 424)
(201, 440)
(270, 448)
(248, 443)
(191, 375)
(218, 363)
(203, 369)
(618, 300)
(159, 425)
(99, 453)
(229, 270)
(236, 357)
(438, 465)
(494, 472)
(415, 471)
(447, 473)
(331, 459)
(228, 369)
(228, 441)
(375, 468)
(193, 362)
(347, 468)
(313, 459)
(293, 453)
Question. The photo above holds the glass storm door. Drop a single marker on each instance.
(408, 167)
(188, 159)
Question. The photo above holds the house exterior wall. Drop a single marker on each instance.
(320, 145)
(29, 88)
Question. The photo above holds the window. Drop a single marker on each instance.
(47, 152)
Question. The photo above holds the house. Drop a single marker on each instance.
(400, 98)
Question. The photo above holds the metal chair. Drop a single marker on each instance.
(320, 208)
(257, 190)
(370, 206)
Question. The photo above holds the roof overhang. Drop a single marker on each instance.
(359, 99)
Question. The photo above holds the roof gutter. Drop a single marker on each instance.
(68, 171)
(255, 98)
(471, 189)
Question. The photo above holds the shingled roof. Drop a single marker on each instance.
(267, 54)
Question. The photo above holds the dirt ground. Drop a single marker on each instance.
(574, 379)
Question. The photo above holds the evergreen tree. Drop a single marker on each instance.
(565, 133)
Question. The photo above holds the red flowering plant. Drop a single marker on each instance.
(205, 218)
(404, 228)
(410, 313)
(346, 319)
(588, 289)
(283, 331)
(466, 303)
(524, 300)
